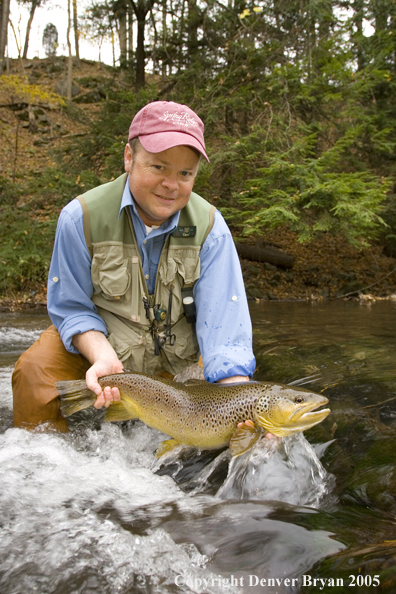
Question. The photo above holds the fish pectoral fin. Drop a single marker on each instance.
(118, 412)
(243, 439)
(166, 446)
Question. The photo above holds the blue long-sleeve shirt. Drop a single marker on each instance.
(223, 324)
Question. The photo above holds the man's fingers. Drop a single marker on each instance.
(248, 423)
(108, 396)
(116, 394)
(99, 402)
(100, 369)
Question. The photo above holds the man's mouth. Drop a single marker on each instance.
(165, 198)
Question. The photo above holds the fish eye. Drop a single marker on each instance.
(299, 399)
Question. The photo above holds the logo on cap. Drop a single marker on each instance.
(181, 118)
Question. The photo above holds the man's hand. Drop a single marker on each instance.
(100, 368)
(95, 347)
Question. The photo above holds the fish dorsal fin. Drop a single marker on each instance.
(243, 439)
(118, 412)
(194, 382)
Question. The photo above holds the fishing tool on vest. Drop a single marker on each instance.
(155, 314)
(189, 307)
(190, 311)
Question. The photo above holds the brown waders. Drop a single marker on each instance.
(36, 398)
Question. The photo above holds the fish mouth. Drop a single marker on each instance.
(307, 416)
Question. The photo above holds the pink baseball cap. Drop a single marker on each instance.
(162, 125)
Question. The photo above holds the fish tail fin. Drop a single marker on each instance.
(74, 396)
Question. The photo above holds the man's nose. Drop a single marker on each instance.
(170, 182)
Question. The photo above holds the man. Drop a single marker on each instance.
(144, 274)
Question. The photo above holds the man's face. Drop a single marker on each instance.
(161, 183)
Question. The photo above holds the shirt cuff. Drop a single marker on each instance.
(225, 361)
(78, 325)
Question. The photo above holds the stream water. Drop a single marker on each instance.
(93, 511)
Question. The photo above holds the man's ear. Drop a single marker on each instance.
(128, 158)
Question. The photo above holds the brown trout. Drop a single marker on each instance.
(200, 414)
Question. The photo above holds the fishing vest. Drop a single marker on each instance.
(135, 319)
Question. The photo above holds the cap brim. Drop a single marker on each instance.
(162, 141)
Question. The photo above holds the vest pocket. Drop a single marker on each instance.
(110, 272)
(130, 350)
(182, 262)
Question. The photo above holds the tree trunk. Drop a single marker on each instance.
(130, 35)
(193, 20)
(122, 35)
(358, 19)
(180, 26)
(380, 12)
(140, 53)
(33, 7)
(141, 9)
(70, 58)
(113, 46)
(76, 31)
(4, 16)
(164, 34)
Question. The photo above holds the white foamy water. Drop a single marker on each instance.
(57, 496)
(284, 469)
(17, 340)
(14, 336)
(5, 386)
(84, 512)
(87, 513)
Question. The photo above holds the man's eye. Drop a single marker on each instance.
(185, 173)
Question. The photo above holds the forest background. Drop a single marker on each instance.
(298, 100)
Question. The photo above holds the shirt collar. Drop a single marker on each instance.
(127, 200)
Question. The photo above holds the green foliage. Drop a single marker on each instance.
(28, 228)
(25, 250)
(308, 194)
(54, 188)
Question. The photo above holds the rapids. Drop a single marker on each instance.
(93, 511)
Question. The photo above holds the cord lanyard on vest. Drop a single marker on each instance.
(155, 315)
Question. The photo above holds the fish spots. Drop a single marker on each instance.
(205, 415)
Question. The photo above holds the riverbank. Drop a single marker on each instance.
(326, 268)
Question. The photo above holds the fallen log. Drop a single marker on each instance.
(265, 253)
